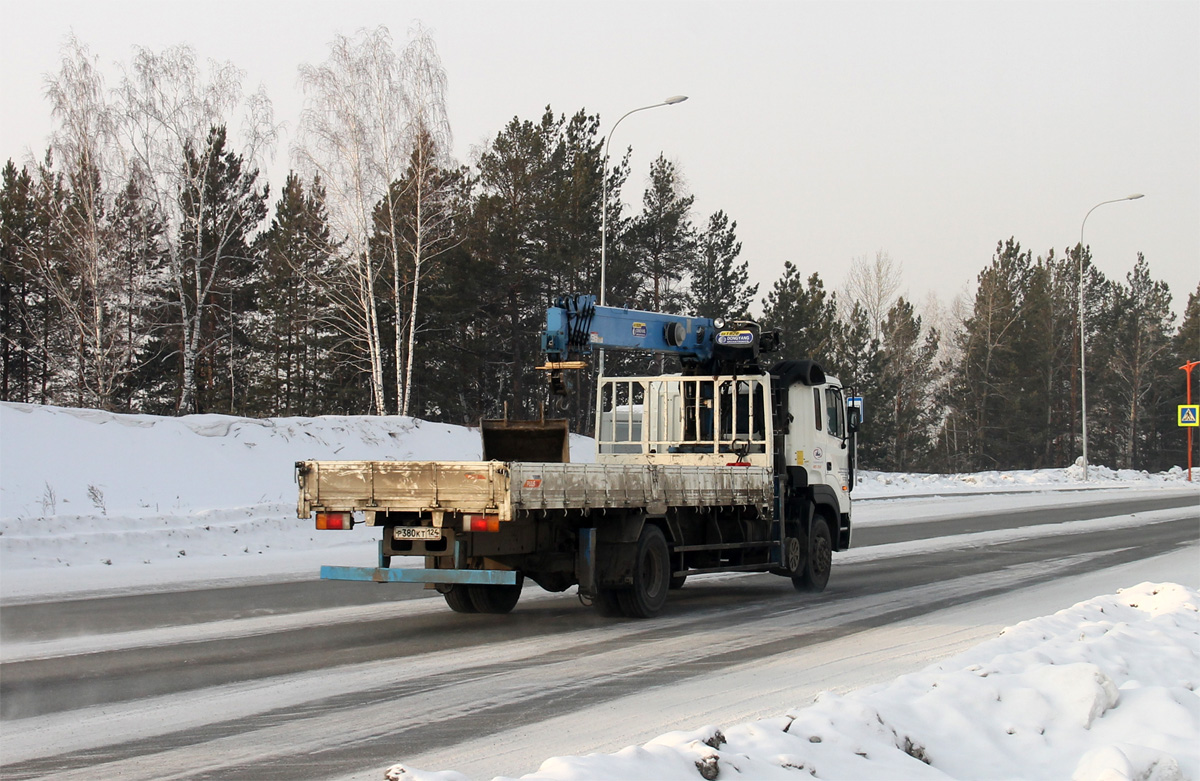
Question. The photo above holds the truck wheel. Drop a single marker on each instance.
(793, 558)
(820, 558)
(496, 599)
(677, 582)
(651, 576)
(458, 597)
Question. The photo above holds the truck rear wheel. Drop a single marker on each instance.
(496, 599)
(458, 597)
(820, 558)
(651, 576)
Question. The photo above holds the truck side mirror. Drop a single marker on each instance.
(853, 419)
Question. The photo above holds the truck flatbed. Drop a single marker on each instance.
(442, 489)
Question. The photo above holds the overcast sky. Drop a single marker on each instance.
(828, 130)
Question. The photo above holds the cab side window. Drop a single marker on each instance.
(834, 412)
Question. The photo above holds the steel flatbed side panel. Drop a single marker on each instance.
(494, 487)
(563, 486)
(466, 486)
(406, 486)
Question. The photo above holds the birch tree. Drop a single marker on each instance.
(874, 285)
(85, 279)
(354, 137)
(428, 228)
(168, 112)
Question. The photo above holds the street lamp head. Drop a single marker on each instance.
(1134, 197)
(671, 101)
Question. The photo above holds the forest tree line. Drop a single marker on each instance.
(149, 267)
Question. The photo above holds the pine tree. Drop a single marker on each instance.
(294, 337)
(986, 386)
(663, 239)
(222, 207)
(534, 236)
(903, 425)
(18, 297)
(1185, 348)
(857, 362)
(1134, 367)
(140, 263)
(508, 239)
(46, 257)
(719, 285)
(1186, 344)
(805, 315)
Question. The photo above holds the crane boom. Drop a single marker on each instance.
(576, 325)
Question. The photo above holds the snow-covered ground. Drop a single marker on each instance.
(1104, 690)
(94, 502)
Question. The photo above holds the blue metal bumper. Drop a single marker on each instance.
(482, 577)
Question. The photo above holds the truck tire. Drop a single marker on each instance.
(819, 560)
(651, 576)
(496, 599)
(677, 582)
(458, 597)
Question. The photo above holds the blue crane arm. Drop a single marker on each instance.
(576, 325)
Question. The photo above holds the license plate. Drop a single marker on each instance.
(416, 533)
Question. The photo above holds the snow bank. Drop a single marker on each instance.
(81, 463)
(139, 501)
(1103, 690)
(877, 484)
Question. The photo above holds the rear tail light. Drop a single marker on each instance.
(335, 521)
(481, 523)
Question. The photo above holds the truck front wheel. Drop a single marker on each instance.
(820, 558)
(651, 576)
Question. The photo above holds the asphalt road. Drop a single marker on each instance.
(431, 678)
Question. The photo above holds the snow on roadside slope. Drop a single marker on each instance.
(873, 485)
(93, 501)
(1106, 689)
(96, 502)
(88, 463)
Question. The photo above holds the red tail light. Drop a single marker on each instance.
(335, 521)
(481, 523)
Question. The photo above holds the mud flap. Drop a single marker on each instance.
(585, 562)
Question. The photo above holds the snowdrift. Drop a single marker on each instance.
(1102, 691)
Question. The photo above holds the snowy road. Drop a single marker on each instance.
(322, 680)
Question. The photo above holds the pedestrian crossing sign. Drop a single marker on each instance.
(1189, 414)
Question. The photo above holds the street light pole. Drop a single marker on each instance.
(671, 101)
(1082, 335)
